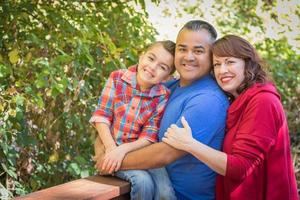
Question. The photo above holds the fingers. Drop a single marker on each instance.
(165, 140)
(185, 123)
(118, 166)
(112, 167)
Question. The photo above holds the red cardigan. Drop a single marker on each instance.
(259, 163)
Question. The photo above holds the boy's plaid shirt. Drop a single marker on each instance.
(131, 113)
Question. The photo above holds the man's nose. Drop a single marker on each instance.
(189, 56)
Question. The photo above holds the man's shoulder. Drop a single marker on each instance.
(208, 93)
(171, 83)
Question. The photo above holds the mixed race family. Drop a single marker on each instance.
(219, 131)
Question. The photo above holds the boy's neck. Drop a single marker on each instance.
(141, 86)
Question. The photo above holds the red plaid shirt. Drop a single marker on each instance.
(131, 113)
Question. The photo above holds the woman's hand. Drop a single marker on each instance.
(179, 138)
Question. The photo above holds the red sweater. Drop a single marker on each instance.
(259, 163)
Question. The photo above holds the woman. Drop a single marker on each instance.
(256, 160)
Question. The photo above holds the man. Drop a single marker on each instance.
(197, 97)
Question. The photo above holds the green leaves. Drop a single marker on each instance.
(14, 56)
(4, 72)
(54, 59)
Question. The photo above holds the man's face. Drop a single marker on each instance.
(192, 55)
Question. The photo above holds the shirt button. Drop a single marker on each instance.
(132, 107)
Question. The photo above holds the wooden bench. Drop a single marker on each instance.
(93, 188)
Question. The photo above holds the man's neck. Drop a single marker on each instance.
(184, 83)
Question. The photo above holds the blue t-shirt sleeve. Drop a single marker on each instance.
(206, 115)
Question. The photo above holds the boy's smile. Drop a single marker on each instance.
(154, 66)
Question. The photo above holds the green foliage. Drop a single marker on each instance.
(54, 59)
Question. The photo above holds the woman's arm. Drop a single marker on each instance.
(181, 138)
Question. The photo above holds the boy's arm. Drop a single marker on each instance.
(103, 116)
(131, 146)
(105, 136)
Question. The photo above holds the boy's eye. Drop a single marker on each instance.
(181, 49)
(150, 58)
(163, 67)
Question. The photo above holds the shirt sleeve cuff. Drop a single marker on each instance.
(151, 138)
(98, 119)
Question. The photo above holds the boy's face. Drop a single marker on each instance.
(154, 66)
(192, 55)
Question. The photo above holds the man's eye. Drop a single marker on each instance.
(199, 51)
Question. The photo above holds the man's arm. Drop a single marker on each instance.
(152, 156)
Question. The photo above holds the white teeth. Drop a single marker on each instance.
(148, 73)
(226, 79)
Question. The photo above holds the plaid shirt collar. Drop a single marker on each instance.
(130, 77)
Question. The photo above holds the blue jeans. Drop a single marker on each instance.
(148, 184)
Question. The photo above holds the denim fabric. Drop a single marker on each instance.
(148, 184)
(163, 186)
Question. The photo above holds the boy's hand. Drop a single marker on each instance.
(113, 159)
(99, 161)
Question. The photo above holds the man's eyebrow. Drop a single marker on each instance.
(199, 47)
(195, 47)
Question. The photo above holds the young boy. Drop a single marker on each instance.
(128, 116)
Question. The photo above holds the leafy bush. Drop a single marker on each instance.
(55, 57)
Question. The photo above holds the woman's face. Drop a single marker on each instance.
(229, 73)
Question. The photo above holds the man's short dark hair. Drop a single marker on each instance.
(197, 25)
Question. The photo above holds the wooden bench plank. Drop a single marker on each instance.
(93, 187)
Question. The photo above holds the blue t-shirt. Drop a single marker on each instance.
(204, 106)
